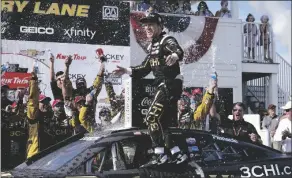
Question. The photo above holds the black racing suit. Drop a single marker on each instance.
(168, 92)
(239, 129)
(60, 128)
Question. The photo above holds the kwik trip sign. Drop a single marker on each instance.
(87, 22)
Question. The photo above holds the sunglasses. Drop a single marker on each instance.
(239, 110)
(80, 84)
(287, 110)
(59, 105)
(46, 102)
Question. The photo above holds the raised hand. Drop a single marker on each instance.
(68, 61)
(52, 58)
(88, 98)
(120, 71)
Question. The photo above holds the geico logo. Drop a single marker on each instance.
(39, 30)
(16, 133)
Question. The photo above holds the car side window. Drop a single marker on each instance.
(102, 161)
(220, 148)
(135, 151)
(211, 150)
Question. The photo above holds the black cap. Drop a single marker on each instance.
(152, 18)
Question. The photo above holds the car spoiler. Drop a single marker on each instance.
(53, 148)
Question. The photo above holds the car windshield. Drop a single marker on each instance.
(55, 160)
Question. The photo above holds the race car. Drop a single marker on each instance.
(122, 153)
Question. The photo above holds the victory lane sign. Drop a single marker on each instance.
(70, 21)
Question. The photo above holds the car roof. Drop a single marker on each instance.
(113, 135)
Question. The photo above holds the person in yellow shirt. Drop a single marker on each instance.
(39, 113)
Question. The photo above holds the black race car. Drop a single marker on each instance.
(121, 153)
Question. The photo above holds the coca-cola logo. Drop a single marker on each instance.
(146, 101)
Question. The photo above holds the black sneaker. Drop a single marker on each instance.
(179, 158)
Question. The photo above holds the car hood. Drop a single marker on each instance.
(28, 173)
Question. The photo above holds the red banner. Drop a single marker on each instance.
(15, 79)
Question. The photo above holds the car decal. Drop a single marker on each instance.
(221, 176)
(216, 137)
(268, 170)
(193, 149)
(90, 138)
(191, 141)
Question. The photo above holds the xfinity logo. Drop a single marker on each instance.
(38, 30)
(110, 13)
(85, 32)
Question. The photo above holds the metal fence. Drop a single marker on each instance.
(258, 42)
(284, 81)
(259, 89)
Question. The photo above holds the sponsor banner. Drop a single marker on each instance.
(142, 92)
(15, 79)
(74, 76)
(193, 33)
(85, 63)
(113, 79)
(128, 104)
(75, 21)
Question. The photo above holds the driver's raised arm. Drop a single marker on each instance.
(171, 45)
(142, 70)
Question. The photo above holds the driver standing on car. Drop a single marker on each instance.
(163, 60)
(238, 127)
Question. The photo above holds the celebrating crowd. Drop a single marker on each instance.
(35, 122)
